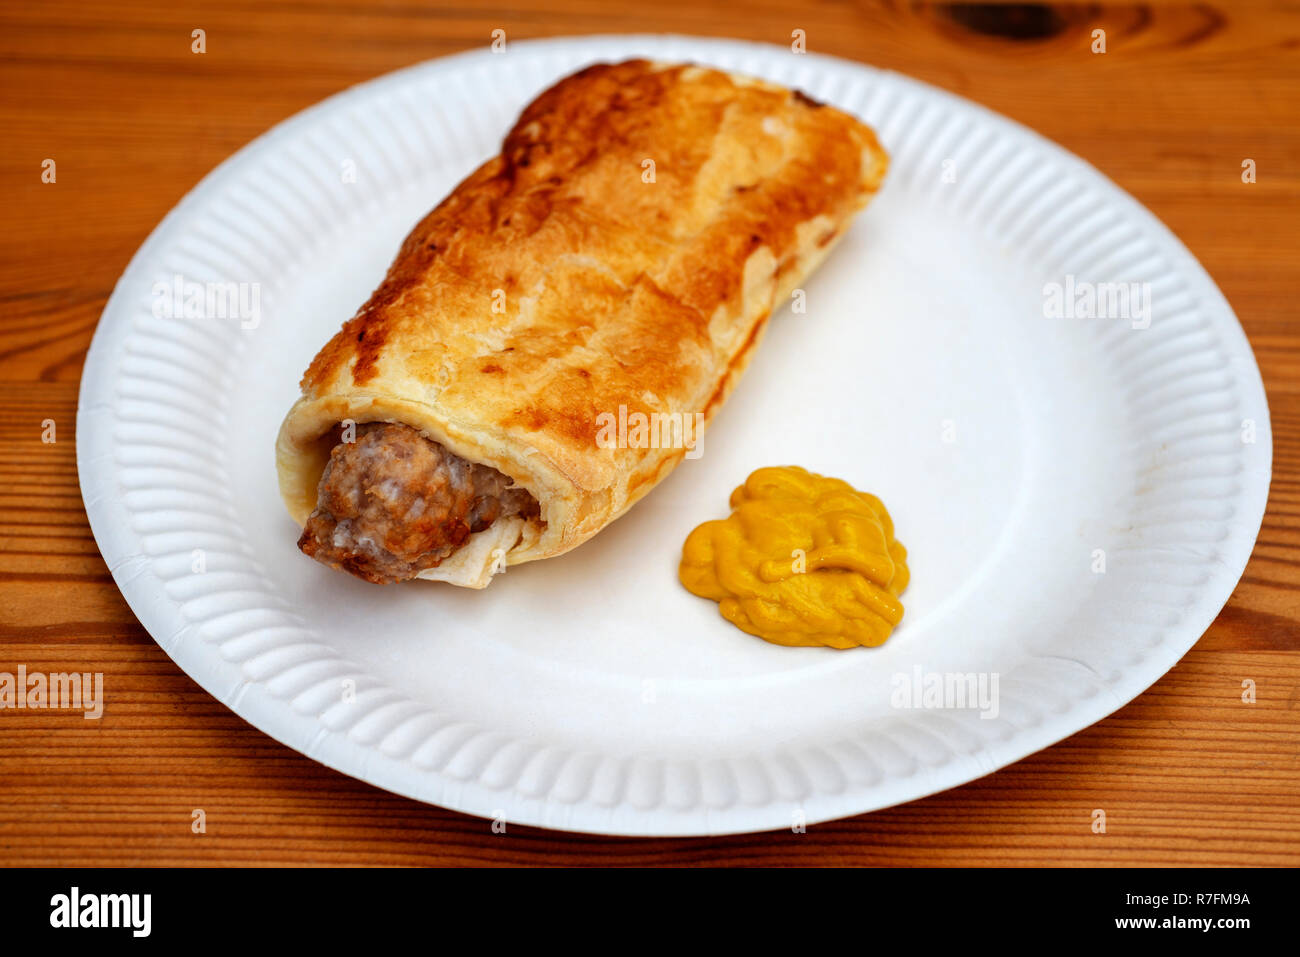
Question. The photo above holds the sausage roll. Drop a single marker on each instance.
(617, 261)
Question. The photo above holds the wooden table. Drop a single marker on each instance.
(1187, 773)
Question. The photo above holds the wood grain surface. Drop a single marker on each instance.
(1187, 773)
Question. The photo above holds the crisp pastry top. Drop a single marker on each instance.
(605, 258)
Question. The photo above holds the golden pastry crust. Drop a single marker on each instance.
(568, 276)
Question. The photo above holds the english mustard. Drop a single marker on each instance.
(802, 560)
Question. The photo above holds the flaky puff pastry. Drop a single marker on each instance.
(624, 249)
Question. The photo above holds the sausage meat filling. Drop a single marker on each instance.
(394, 503)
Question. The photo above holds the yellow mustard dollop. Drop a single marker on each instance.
(802, 560)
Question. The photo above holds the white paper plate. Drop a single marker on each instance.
(592, 692)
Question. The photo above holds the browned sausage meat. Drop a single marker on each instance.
(394, 503)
